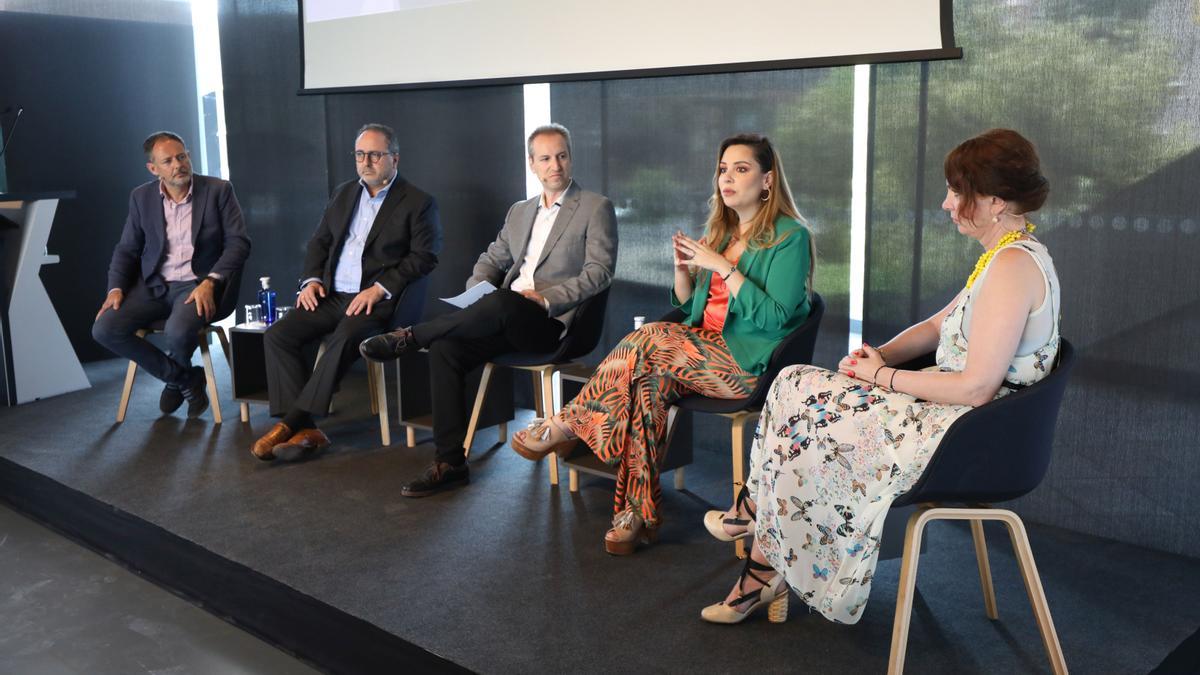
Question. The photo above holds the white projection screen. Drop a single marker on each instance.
(403, 44)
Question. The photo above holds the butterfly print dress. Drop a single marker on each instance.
(831, 454)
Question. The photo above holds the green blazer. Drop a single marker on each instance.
(772, 302)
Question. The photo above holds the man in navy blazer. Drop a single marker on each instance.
(183, 240)
(378, 234)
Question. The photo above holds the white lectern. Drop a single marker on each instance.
(38, 358)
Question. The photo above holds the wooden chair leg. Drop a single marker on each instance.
(985, 570)
(480, 397)
(679, 478)
(502, 433)
(372, 389)
(210, 378)
(538, 410)
(245, 412)
(126, 391)
(906, 590)
(410, 437)
(1033, 587)
(739, 472)
(1024, 555)
(547, 388)
(379, 378)
(220, 333)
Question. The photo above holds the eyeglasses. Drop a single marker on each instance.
(375, 156)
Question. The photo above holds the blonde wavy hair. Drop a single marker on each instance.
(723, 222)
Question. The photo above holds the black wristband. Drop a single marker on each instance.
(892, 382)
(732, 269)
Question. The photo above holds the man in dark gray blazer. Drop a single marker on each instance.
(378, 234)
(183, 240)
(555, 251)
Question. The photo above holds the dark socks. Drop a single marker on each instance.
(452, 458)
(299, 419)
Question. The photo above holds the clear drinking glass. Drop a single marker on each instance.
(254, 313)
(281, 312)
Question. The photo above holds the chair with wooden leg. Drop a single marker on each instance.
(994, 453)
(407, 312)
(796, 348)
(581, 339)
(224, 309)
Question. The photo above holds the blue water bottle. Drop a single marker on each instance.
(266, 300)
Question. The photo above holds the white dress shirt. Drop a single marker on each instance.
(542, 223)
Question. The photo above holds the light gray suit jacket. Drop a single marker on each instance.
(579, 257)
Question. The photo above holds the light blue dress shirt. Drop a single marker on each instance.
(347, 275)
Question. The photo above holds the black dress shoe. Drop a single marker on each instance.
(439, 476)
(171, 399)
(387, 346)
(195, 393)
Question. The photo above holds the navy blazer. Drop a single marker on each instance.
(402, 245)
(219, 240)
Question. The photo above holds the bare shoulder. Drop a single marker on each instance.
(1013, 267)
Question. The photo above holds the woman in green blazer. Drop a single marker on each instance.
(744, 286)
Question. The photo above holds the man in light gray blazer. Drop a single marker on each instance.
(555, 251)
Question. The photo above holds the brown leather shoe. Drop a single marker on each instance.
(302, 444)
(278, 434)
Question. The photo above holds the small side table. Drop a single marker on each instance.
(248, 365)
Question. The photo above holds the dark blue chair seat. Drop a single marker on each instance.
(582, 337)
(407, 311)
(993, 453)
(796, 348)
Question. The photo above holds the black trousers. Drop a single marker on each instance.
(290, 385)
(501, 322)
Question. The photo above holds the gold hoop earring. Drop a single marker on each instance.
(766, 195)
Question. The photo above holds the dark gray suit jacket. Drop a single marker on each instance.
(402, 246)
(219, 240)
(579, 257)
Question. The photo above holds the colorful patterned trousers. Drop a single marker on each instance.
(622, 411)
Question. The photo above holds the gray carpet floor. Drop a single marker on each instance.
(509, 574)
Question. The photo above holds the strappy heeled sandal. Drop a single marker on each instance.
(631, 530)
(774, 593)
(536, 441)
(715, 520)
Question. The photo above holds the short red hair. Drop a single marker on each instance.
(1000, 163)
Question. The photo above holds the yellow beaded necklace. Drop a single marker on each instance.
(987, 255)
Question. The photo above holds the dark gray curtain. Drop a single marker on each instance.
(93, 88)
(651, 146)
(1108, 92)
(286, 151)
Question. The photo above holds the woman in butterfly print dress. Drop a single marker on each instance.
(833, 450)
(743, 288)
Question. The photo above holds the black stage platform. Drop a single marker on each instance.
(325, 559)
